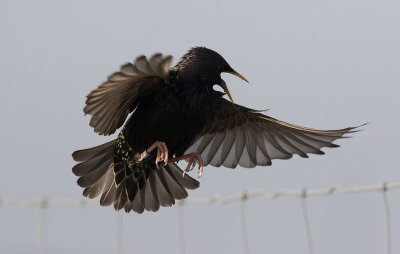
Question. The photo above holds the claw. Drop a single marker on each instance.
(162, 152)
(189, 167)
(200, 171)
(157, 161)
(201, 165)
(194, 158)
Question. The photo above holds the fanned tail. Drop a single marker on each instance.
(132, 188)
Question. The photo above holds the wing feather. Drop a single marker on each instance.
(215, 145)
(251, 146)
(246, 137)
(227, 145)
(240, 143)
(111, 102)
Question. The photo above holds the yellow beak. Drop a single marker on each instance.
(239, 76)
(223, 84)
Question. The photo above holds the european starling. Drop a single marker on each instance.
(176, 115)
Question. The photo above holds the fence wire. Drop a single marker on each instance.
(302, 194)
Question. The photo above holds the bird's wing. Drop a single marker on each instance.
(245, 137)
(112, 101)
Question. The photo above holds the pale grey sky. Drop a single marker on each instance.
(321, 64)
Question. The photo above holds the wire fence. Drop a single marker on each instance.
(44, 203)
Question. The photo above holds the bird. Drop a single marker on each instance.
(176, 114)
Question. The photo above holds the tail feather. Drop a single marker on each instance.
(150, 197)
(187, 181)
(163, 193)
(95, 175)
(121, 197)
(137, 203)
(133, 188)
(177, 190)
(101, 186)
(86, 154)
(118, 197)
(138, 189)
(108, 197)
(85, 167)
(152, 183)
(128, 206)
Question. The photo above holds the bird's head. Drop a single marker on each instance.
(204, 66)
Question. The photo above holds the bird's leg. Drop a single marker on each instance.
(193, 159)
(162, 152)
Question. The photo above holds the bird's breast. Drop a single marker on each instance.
(167, 118)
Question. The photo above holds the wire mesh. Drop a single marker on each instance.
(302, 194)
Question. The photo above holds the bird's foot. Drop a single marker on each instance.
(194, 158)
(162, 152)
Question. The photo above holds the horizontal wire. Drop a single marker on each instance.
(217, 198)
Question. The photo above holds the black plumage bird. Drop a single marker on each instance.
(178, 115)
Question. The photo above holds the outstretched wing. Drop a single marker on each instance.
(245, 137)
(111, 102)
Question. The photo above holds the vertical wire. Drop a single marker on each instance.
(119, 234)
(179, 214)
(306, 221)
(42, 227)
(387, 220)
(242, 207)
